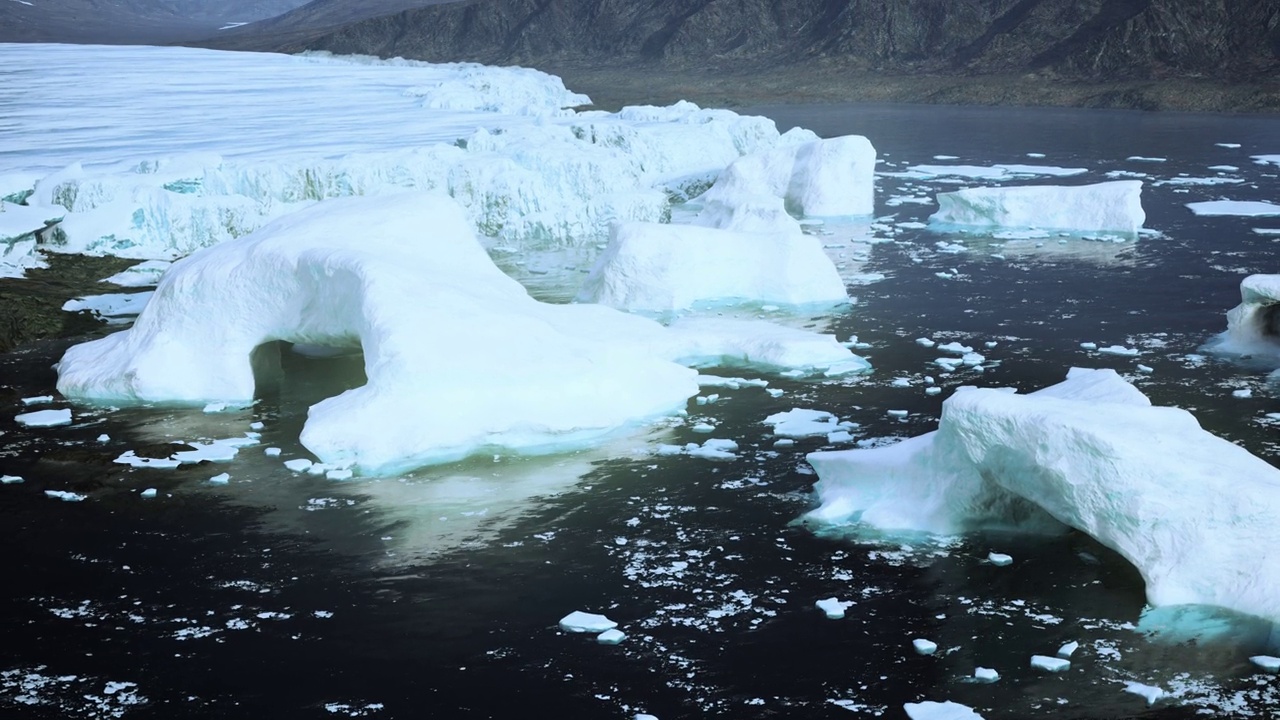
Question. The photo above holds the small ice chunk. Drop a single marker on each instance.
(898, 413)
(1151, 693)
(703, 428)
(948, 710)
(1145, 369)
(10, 479)
(64, 495)
(255, 425)
(611, 637)
(1049, 664)
(1120, 350)
(37, 400)
(924, 647)
(215, 407)
(1000, 559)
(1243, 393)
(1068, 650)
(298, 465)
(932, 391)
(339, 474)
(925, 342)
(222, 479)
(1266, 662)
(132, 460)
(986, 675)
(149, 493)
(272, 452)
(1089, 345)
(955, 347)
(833, 608)
(583, 622)
(44, 418)
(104, 438)
(784, 442)
(901, 382)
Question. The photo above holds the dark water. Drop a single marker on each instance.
(436, 594)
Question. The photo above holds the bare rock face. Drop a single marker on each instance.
(1077, 39)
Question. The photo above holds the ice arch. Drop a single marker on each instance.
(459, 358)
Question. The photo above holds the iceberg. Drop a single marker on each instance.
(662, 267)
(1192, 512)
(1101, 207)
(1253, 326)
(758, 192)
(459, 358)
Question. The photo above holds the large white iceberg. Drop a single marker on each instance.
(1194, 513)
(1101, 207)
(459, 358)
(663, 267)
(189, 170)
(1253, 326)
(759, 191)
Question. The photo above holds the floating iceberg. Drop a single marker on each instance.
(1193, 512)
(1253, 326)
(459, 358)
(829, 177)
(657, 267)
(1100, 207)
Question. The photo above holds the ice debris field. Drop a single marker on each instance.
(711, 237)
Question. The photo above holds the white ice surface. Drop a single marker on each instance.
(930, 710)
(833, 607)
(44, 418)
(1194, 513)
(1244, 208)
(165, 164)
(1101, 207)
(459, 358)
(585, 622)
(661, 267)
(1049, 664)
(1253, 326)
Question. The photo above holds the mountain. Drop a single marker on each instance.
(128, 21)
(1216, 54)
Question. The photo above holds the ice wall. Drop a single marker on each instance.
(459, 358)
(1193, 512)
(1102, 207)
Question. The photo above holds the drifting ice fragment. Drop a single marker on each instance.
(1101, 207)
(37, 400)
(132, 460)
(1120, 350)
(611, 637)
(298, 464)
(802, 423)
(148, 493)
(44, 418)
(986, 675)
(584, 622)
(1266, 662)
(930, 710)
(1245, 208)
(64, 495)
(221, 479)
(10, 479)
(1049, 664)
(924, 647)
(833, 608)
(1150, 693)
(1253, 326)
(999, 559)
(1068, 649)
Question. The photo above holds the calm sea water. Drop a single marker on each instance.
(436, 594)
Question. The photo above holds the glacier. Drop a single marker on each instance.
(1194, 513)
(187, 169)
(1114, 206)
(459, 358)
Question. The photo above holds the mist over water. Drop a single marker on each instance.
(436, 593)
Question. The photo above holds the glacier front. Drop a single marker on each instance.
(1194, 513)
(459, 358)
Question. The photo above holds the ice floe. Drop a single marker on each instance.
(1101, 207)
(1244, 208)
(44, 418)
(948, 710)
(585, 622)
(1191, 511)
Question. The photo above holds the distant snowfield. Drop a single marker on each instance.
(186, 148)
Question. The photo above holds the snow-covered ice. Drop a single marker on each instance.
(1101, 207)
(833, 607)
(1049, 664)
(1253, 326)
(663, 267)
(802, 423)
(930, 710)
(1244, 208)
(1148, 692)
(988, 675)
(1266, 662)
(924, 647)
(999, 559)
(44, 418)
(612, 636)
(159, 179)
(585, 622)
(1068, 649)
(1191, 511)
(403, 277)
